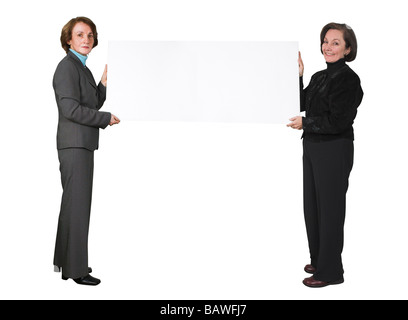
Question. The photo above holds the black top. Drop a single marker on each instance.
(330, 100)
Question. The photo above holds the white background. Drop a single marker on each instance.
(193, 210)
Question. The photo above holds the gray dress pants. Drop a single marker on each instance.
(71, 247)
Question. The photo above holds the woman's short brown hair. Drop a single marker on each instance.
(348, 35)
(66, 33)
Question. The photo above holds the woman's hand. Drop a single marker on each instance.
(104, 79)
(114, 120)
(296, 123)
(301, 67)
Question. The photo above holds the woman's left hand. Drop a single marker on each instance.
(296, 123)
(104, 79)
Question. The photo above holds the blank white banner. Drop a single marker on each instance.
(247, 81)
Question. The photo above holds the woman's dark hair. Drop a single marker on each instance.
(66, 33)
(348, 35)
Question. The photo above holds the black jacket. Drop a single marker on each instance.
(330, 100)
(78, 100)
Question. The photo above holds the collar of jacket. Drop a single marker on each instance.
(85, 69)
(76, 57)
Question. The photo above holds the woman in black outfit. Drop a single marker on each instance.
(330, 100)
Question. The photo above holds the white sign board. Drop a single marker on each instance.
(251, 81)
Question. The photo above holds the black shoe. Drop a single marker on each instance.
(88, 280)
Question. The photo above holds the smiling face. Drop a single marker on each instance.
(334, 46)
(82, 40)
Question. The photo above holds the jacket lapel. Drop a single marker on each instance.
(90, 77)
(83, 68)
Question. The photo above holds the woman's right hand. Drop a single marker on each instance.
(301, 67)
(114, 120)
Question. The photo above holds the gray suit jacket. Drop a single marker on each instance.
(78, 100)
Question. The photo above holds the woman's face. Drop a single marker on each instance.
(334, 46)
(82, 38)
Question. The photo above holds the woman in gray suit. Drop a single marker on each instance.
(79, 99)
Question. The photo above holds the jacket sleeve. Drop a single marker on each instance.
(101, 95)
(302, 94)
(344, 98)
(68, 93)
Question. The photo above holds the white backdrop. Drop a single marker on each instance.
(200, 210)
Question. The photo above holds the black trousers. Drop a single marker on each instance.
(71, 247)
(326, 170)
